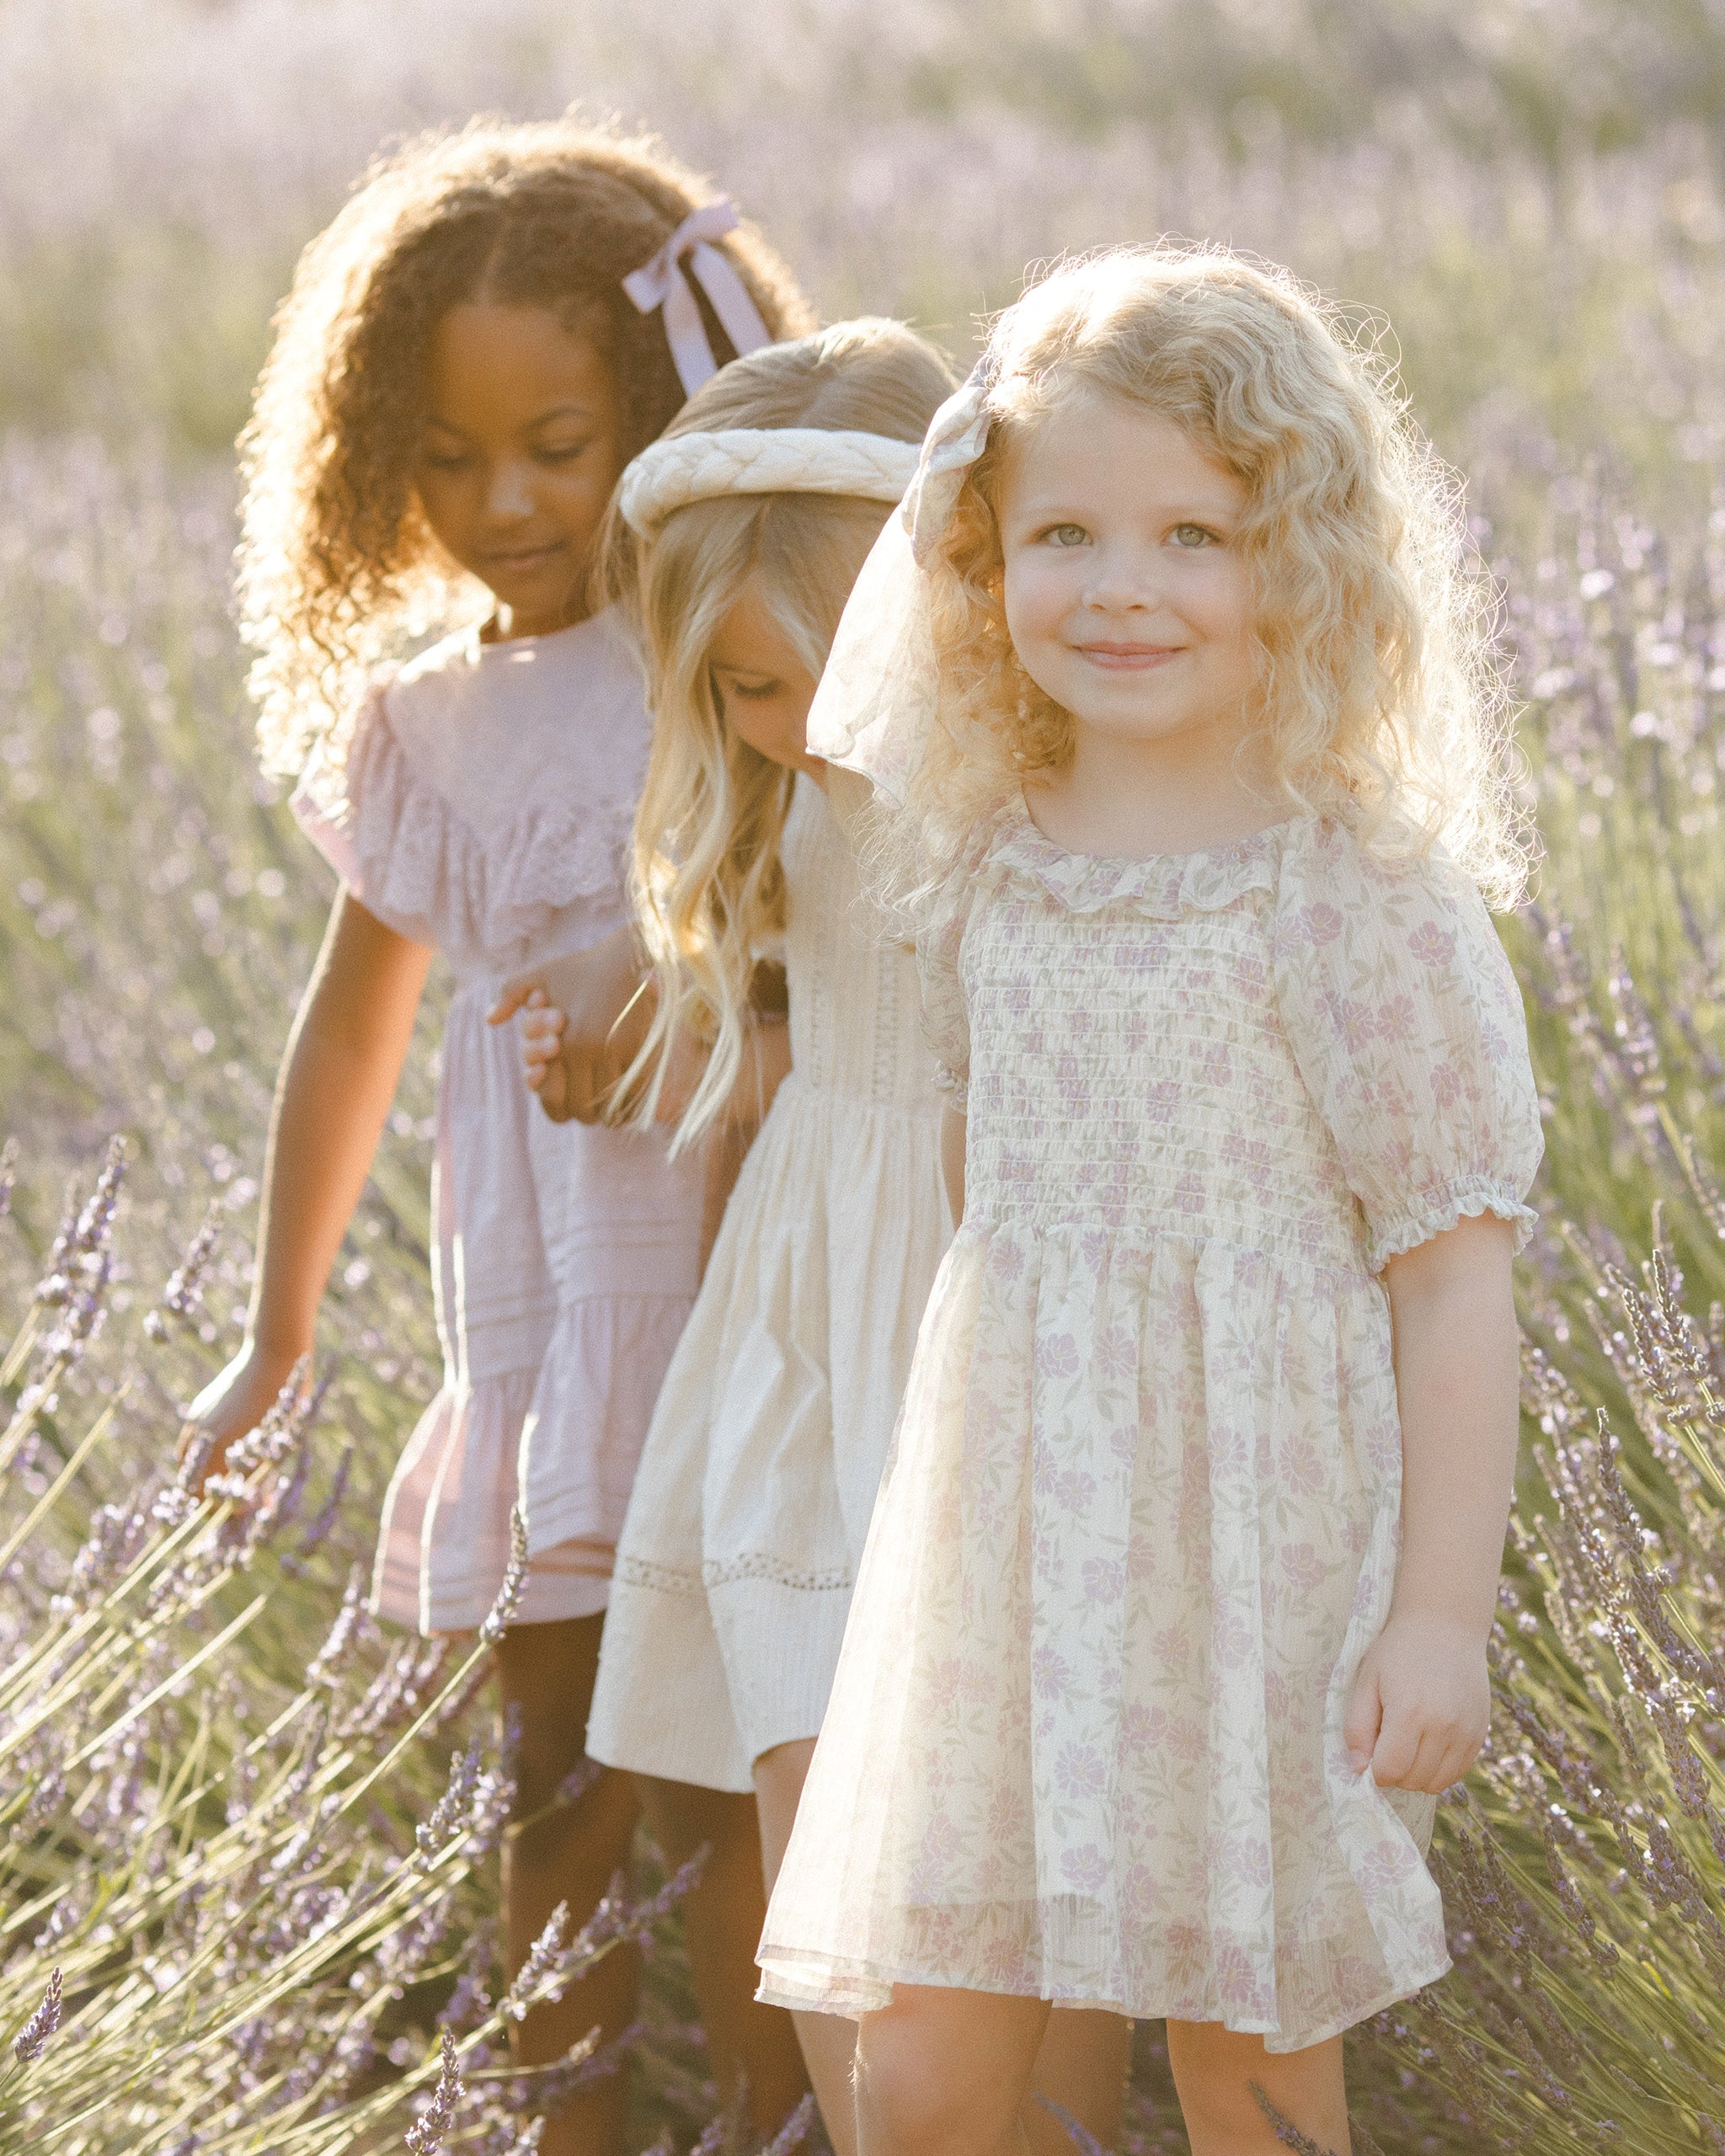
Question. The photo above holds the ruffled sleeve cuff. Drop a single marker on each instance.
(1435, 1211)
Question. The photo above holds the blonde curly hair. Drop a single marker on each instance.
(337, 566)
(709, 888)
(1378, 702)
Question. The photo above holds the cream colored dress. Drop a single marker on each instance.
(735, 1571)
(485, 805)
(1143, 1516)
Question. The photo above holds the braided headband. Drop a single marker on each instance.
(664, 281)
(697, 468)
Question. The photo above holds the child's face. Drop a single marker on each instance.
(763, 689)
(1126, 599)
(519, 456)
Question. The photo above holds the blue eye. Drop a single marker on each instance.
(1191, 536)
(1066, 535)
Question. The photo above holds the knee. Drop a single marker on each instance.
(1219, 2074)
(910, 2102)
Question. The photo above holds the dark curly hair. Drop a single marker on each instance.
(337, 567)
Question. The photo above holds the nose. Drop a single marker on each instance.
(1122, 579)
(510, 495)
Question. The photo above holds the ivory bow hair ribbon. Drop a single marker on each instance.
(664, 282)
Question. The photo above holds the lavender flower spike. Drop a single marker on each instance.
(428, 2135)
(185, 1290)
(449, 1815)
(795, 2129)
(32, 2040)
(543, 1963)
(515, 1577)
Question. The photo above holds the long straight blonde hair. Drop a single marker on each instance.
(708, 889)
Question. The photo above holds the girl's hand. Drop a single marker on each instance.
(234, 1402)
(1422, 1704)
(541, 1035)
(584, 1017)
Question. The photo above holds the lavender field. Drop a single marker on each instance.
(243, 1889)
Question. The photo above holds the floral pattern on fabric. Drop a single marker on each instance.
(1142, 1519)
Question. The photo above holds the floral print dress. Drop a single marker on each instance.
(1143, 1514)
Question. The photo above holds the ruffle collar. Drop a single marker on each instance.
(418, 860)
(1165, 886)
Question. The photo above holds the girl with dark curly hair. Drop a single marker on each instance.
(493, 326)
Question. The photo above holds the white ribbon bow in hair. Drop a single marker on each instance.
(664, 282)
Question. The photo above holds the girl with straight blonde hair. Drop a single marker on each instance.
(736, 540)
(1173, 1621)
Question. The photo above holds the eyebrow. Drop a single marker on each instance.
(582, 414)
(1185, 509)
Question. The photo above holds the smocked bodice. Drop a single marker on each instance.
(1137, 1074)
(856, 1011)
(1279, 1044)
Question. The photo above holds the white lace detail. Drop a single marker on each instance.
(419, 860)
(758, 1564)
(657, 1579)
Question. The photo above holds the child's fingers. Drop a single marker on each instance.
(1396, 1751)
(523, 992)
(542, 1030)
(1363, 1720)
(1444, 1756)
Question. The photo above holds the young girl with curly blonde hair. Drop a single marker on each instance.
(498, 321)
(738, 535)
(1173, 1617)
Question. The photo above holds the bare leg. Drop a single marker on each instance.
(1214, 2069)
(829, 2041)
(566, 1853)
(944, 2073)
(1082, 2064)
(1084, 2055)
(722, 1922)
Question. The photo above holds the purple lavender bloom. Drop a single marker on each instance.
(32, 2040)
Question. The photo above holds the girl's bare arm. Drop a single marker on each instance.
(338, 1076)
(1421, 1706)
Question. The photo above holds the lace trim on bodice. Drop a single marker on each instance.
(1165, 887)
(419, 859)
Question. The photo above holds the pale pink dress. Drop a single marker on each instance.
(485, 805)
(1143, 1515)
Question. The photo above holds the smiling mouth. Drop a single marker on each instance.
(524, 558)
(1127, 658)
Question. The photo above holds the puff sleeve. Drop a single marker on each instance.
(360, 811)
(1408, 1026)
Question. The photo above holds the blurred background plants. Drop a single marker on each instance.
(1531, 191)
